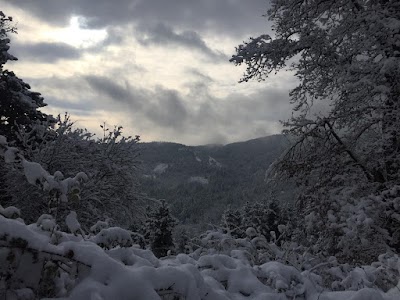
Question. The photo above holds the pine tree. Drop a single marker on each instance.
(182, 240)
(18, 104)
(159, 225)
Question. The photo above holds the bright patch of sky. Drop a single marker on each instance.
(76, 35)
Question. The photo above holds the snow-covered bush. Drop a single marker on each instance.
(232, 221)
(111, 191)
(326, 273)
(35, 266)
(36, 175)
(267, 219)
(354, 229)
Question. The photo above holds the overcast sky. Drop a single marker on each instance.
(159, 68)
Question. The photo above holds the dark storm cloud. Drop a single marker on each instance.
(45, 52)
(162, 34)
(236, 17)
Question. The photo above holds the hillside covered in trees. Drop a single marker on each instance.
(200, 182)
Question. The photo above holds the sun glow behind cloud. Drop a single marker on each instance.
(76, 35)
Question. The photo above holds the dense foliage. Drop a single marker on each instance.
(110, 162)
(18, 104)
(346, 56)
(266, 218)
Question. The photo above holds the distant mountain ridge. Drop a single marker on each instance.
(201, 181)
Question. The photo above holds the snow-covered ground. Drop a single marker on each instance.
(108, 265)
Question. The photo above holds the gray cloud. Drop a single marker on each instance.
(161, 106)
(109, 88)
(70, 94)
(171, 115)
(199, 75)
(236, 17)
(162, 34)
(196, 117)
(45, 52)
(167, 109)
(232, 16)
(114, 37)
(80, 108)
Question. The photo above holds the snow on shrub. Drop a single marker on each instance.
(112, 237)
(76, 268)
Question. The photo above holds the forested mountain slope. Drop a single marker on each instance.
(201, 181)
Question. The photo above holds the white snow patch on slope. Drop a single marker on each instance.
(214, 162)
(160, 168)
(147, 176)
(199, 179)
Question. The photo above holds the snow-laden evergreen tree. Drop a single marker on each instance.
(182, 240)
(346, 55)
(159, 225)
(19, 106)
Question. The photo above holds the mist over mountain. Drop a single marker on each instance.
(200, 182)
